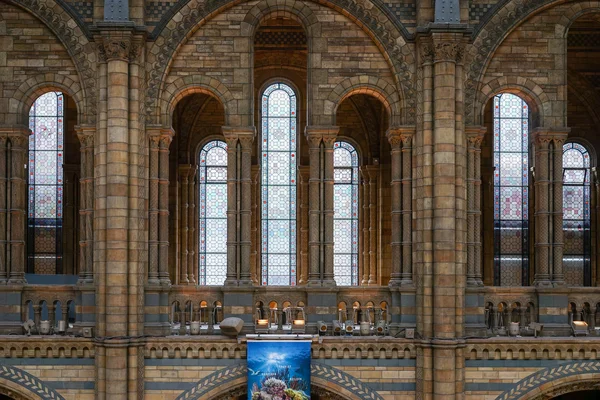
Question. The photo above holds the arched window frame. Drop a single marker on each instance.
(577, 214)
(286, 271)
(346, 214)
(212, 214)
(511, 217)
(45, 184)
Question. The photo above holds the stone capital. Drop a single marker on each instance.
(187, 170)
(115, 47)
(315, 134)
(17, 134)
(245, 134)
(85, 134)
(400, 135)
(448, 51)
(475, 135)
(544, 136)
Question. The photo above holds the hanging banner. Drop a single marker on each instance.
(279, 370)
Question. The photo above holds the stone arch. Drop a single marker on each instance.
(297, 11)
(34, 87)
(490, 34)
(525, 88)
(388, 35)
(566, 377)
(322, 376)
(190, 84)
(364, 84)
(25, 384)
(72, 35)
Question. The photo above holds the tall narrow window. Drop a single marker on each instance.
(345, 217)
(45, 191)
(511, 190)
(279, 185)
(576, 215)
(213, 213)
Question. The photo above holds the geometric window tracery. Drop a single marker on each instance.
(45, 184)
(278, 185)
(511, 190)
(345, 217)
(576, 215)
(213, 213)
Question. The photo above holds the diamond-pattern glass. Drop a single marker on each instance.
(278, 179)
(511, 192)
(576, 215)
(213, 213)
(345, 216)
(45, 189)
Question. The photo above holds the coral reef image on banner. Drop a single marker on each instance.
(279, 370)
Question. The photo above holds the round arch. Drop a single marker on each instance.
(322, 376)
(188, 85)
(26, 385)
(34, 87)
(525, 88)
(369, 85)
(564, 378)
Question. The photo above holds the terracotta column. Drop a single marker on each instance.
(18, 145)
(86, 202)
(153, 209)
(542, 213)
(303, 174)
(373, 172)
(329, 137)
(407, 137)
(314, 208)
(475, 137)
(366, 223)
(163, 206)
(184, 224)
(255, 234)
(558, 275)
(192, 222)
(3, 209)
(246, 138)
(232, 207)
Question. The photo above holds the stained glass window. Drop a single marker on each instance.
(511, 190)
(45, 190)
(345, 216)
(213, 213)
(576, 215)
(278, 185)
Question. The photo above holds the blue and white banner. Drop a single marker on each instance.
(279, 370)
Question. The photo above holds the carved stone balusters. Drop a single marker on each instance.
(86, 210)
(475, 137)
(3, 210)
(542, 213)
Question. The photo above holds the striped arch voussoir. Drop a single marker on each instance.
(28, 383)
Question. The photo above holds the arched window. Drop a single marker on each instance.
(345, 217)
(576, 215)
(213, 213)
(278, 185)
(511, 190)
(45, 191)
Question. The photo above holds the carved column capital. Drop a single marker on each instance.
(400, 135)
(475, 135)
(17, 134)
(316, 134)
(544, 136)
(245, 134)
(448, 51)
(116, 48)
(85, 134)
(427, 53)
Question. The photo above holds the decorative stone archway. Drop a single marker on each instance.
(554, 381)
(22, 385)
(323, 377)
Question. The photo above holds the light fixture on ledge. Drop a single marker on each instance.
(298, 326)
(261, 326)
(580, 328)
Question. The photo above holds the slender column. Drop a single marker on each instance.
(329, 137)
(373, 175)
(184, 172)
(232, 214)
(86, 202)
(19, 143)
(192, 221)
(407, 272)
(475, 137)
(542, 244)
(366, 219)
(153, 228)
(597, 244)
(304, 174)
(314, 208)
(254, 234)
(246, 138)
(163, 207)
(3, 209)
(558, 276)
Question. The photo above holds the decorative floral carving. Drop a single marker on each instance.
(116, 49)
(448, 51)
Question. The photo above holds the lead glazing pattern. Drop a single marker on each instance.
(511, 190)
(278, 180)
(45, 189)
(576, 215)
(345, 216)
(213, 213)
